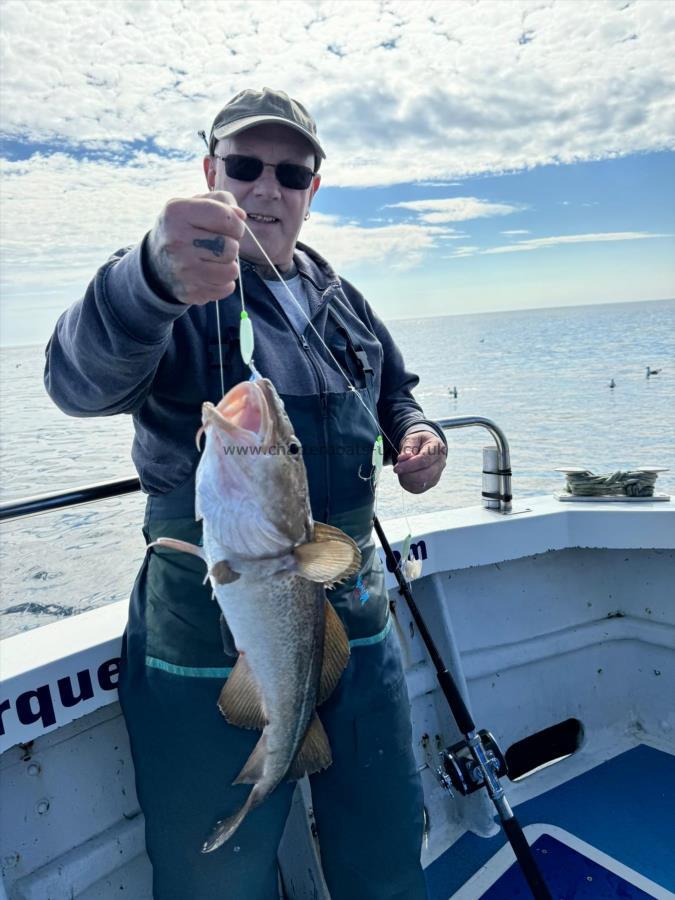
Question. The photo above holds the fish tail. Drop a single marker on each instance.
(225, 828)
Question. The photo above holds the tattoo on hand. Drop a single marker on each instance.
(215, 245)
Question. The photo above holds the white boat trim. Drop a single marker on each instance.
(52, 675)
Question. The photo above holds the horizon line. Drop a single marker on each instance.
(488, 312)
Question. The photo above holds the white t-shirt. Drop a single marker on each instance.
(295, 286)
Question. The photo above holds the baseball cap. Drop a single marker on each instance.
(249, 108)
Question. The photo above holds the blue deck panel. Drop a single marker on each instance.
(568, 874)
(623, 807)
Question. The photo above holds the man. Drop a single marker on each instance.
(145, 340)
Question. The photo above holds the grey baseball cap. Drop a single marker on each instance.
(251, 108)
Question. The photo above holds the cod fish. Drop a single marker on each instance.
(269, 563)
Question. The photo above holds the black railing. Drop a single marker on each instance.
(30, 506)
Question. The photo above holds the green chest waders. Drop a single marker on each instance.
(368, 803)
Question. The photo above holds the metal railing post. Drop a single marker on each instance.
(504, 469)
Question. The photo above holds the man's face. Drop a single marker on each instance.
(265, 196)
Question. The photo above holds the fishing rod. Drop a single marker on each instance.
(476, 761)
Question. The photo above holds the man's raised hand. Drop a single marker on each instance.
(193, 246)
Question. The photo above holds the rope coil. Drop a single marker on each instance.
(638, 483)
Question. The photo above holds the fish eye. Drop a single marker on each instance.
(293, 448)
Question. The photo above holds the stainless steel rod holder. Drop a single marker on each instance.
(502, 450)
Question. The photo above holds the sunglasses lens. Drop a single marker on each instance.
(243, 168)
(248, 168)
(293, 176)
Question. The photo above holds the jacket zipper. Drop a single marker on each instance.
(323, 400)
(323, 396)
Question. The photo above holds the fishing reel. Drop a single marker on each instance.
(460, 769)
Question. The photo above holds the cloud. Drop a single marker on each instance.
(542, 243)
(438, 184)
(66, 242)
(456, 209)
(347, 245)
(516, 231)
(401, 91)
(63, 217)
(100, 128)
(462, 251)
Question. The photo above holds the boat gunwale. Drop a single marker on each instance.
(446, 541)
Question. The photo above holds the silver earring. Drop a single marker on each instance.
(306, 215)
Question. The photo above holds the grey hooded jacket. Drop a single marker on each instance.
(123, 348)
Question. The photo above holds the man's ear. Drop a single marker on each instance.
(316, 181)
(209, 171)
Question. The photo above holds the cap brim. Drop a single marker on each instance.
(232, 128)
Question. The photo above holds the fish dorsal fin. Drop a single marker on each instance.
(314, 753)
(330, 556)
(182, 546)
(335, 654)
(240, 701)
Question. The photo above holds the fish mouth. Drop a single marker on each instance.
(242, 417)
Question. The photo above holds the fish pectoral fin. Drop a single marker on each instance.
(254, 765)
(323, 532)
(175, 544)
(335, 654)
(240, 700)
(314, 753)
(223, 573)
(328, 560)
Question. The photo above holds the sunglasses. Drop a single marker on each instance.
(250, 168)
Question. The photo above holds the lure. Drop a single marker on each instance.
(377, 458)
(246, 340)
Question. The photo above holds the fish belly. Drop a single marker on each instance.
(278, 625)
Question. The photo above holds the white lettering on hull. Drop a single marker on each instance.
(32, 712)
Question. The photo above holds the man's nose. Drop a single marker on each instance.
(267, 185)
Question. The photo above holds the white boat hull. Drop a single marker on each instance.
(559, 612)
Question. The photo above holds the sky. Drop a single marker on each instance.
(490, 155)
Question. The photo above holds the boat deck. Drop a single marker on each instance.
(607, 833)
(557, 621)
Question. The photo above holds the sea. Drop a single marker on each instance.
(542, 375)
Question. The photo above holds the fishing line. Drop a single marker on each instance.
(325, 345)
(246, 329)
(246, 343)
(377, 460)
(220, 349)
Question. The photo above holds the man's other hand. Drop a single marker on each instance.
(421, 460)
(192, 249)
